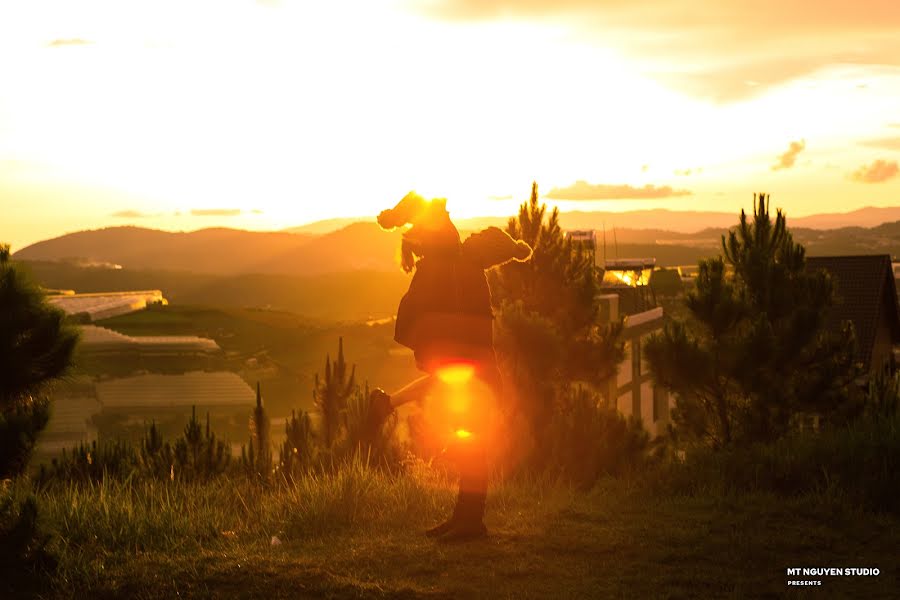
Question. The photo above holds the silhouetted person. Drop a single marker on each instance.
(446, 318)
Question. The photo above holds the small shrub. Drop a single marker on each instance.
(91, 462)
(155, 457)
(860, 461)
(24, 558)
(198, 453)
(587, 442)
(297, 452)
(883, 394)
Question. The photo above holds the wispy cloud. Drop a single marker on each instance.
(60, 42)
(501, 197)
(877, 172)
(891, 143)
(215, 212)
(133, 214)
(787, 160)
(582, 190)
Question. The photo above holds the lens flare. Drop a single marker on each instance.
(456, 373)
(463, 434)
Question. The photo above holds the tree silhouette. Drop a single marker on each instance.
(547, 330)
(36, 346)
(754, 350)
(257, 458)
(198, 454)
(559, 282)
(155, 456)
(331, 394)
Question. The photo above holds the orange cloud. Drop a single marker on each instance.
(787, 160)
(892, 143)
(132, 214)
(878, 172)
(582, 190)
(734, 49)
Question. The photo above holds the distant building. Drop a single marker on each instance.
(104, 351)
(629, 278)
(867, 297)
(125, 382)
(87, 407)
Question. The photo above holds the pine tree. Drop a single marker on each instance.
(36, 347)
(258, 457)
(754, 351)
(296, 452)
(547, 330)
(198, 454)
(558, 282)
(331, 394)
(155, 456)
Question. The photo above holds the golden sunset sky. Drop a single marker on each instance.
(265, 115)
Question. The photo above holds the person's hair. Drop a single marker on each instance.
(409, 253)
(406, 211)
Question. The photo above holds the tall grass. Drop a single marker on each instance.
(96, 526)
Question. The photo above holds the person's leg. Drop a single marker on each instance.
(382, 404)
(473, 472)
(468, 515)
(414, 391)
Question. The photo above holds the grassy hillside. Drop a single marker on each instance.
(339, 296)
(358, 534)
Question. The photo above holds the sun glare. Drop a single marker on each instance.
(455, 374)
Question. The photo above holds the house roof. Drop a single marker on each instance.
(866, 293)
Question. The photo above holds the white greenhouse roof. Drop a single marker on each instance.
(101, 339)
(106, 305)
(169, 391)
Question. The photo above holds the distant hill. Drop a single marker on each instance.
(328, 225)
(677, 221)
(672, 236)
(226, 251)
(339, 296)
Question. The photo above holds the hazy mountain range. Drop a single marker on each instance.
(359, 246)
(363, 246)
(677, 221)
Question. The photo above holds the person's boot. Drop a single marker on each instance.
(469, 522)
(379, 408)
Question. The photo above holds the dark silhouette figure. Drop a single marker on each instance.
(445, 318)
